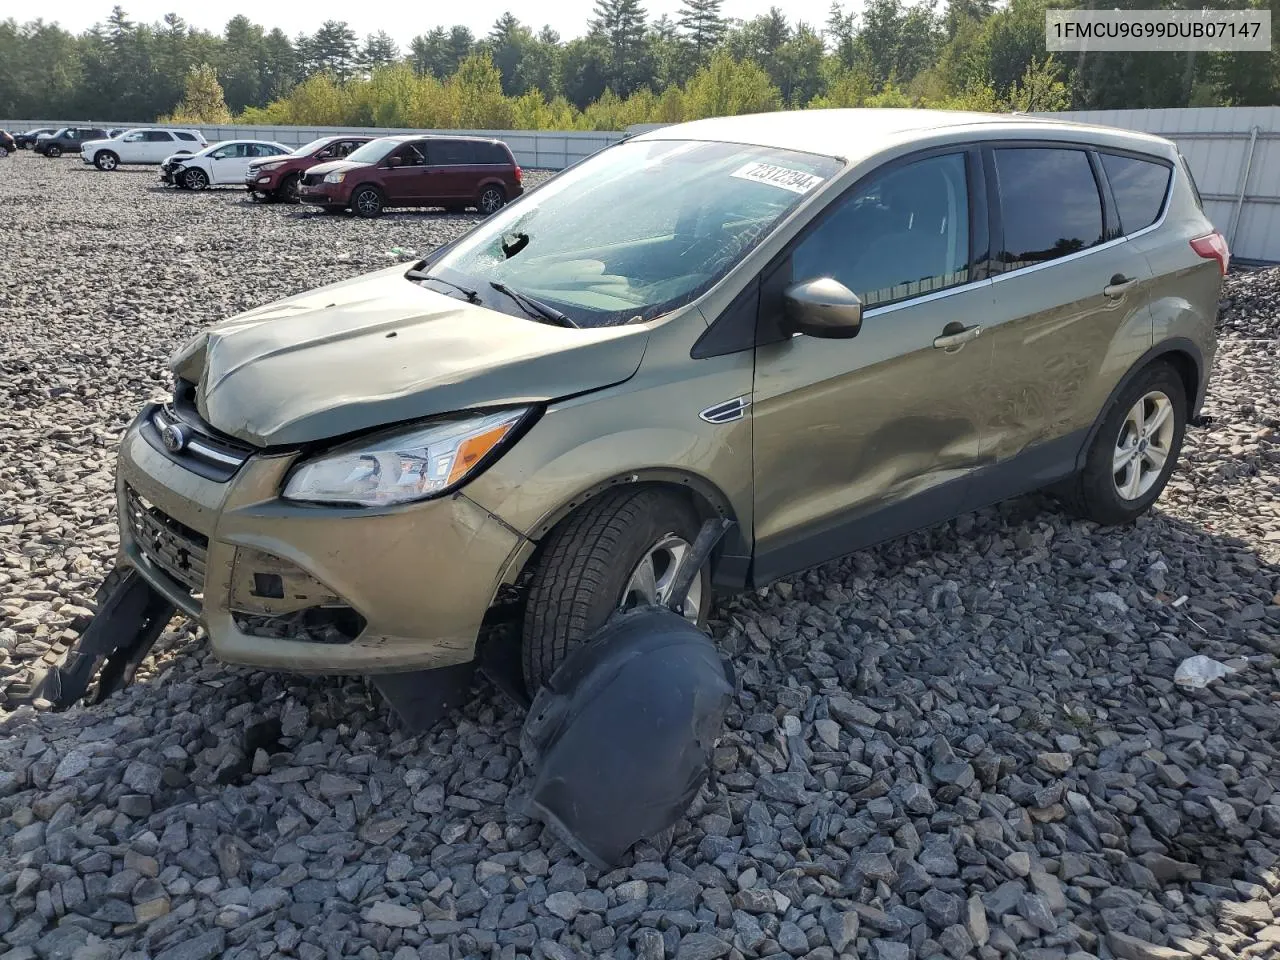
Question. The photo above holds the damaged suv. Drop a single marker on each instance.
(829, 328)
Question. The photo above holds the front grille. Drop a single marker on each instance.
(168, 544)
(191, 441)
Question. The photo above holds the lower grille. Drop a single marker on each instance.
(168, 544)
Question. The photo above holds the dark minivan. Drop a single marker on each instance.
(416, 171)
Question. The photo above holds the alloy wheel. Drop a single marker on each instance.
(1143, 446)
(654, 576)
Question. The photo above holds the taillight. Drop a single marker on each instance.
(1213, 246)
(519, 175)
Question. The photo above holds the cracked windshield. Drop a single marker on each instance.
(635, 232)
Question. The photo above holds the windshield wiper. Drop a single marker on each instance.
(534, 308)
(471, 295)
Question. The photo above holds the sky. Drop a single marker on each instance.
(569, 17)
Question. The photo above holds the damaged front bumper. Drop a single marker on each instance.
(295, 586)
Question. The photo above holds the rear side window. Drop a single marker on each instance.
(185, 136)
(449, 152)
(902, 234)
(1139, 187)
(1049, 204)
(492, 153)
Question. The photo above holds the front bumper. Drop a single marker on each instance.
(233, 555)
(324, 194)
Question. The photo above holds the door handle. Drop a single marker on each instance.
(1119, 286)
(957, 338)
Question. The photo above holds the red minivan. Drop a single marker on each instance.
(276, 178)
(416, 171)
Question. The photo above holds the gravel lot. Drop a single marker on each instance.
(967, 742)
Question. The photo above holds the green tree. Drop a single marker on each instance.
(620, 26)
(203, 101)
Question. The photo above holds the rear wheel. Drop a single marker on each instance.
(618, 551)
(1135, 450)
(366, 202)
(195, 179)
(492, 199)
(106, 160)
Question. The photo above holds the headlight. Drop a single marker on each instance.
(269, 166)
(334, 177)
(404, 466)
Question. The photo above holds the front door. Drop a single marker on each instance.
(859, 440)
(406, 181)
(1071, 311)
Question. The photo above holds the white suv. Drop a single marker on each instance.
(141, 145)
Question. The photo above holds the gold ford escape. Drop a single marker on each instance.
(829, 327)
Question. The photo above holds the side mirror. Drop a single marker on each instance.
(394, 161)
(823, 308)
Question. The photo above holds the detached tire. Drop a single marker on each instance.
(594, 563)
(1134, 452)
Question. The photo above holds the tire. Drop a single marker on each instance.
(105, 160)
(53, 151)
(491, 200)
(1113, 489)
(366, 202)
(287, 192)
(195, 179)
(587, 564)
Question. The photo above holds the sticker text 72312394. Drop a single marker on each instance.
(797, 181)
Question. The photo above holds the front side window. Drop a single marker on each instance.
(636, 230)
(1139, 187)
(1049, 204)
(900, 234)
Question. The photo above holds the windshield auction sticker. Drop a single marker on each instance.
(797, 181)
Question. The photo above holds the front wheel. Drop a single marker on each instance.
(492, 199)
(1135, 450)
(366, 202)
(195, 179)
(617, 552)
(106, 160)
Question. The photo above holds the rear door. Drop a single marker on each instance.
(859, 440)
(156, 145)
(453, 170)
(1071, 307)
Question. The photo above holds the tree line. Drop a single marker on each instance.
(626, 68)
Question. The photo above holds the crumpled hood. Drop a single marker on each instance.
(378, 350)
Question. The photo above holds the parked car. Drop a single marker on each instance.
(828, 327)
(66, 140)
(27, 138)
(141, 145)
(414, 171)
(7, 144)
(217, 164)
(276, 178)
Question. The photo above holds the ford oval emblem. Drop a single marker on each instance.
(173, 437)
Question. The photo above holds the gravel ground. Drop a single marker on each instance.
(967, 742)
